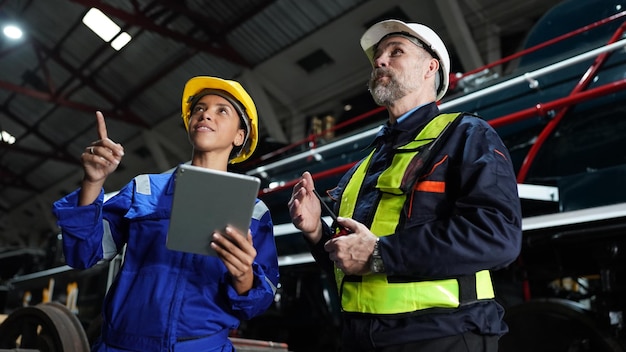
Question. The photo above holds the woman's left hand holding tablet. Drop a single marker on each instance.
(238, 254)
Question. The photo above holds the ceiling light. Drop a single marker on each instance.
(6, 137)
(121, 40)
(102, 25)
(12, 31)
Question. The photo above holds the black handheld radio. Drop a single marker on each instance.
(342, 230)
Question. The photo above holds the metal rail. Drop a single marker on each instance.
(525, 77)
(584, 82)
(262, 170)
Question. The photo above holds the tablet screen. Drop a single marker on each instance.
(206, 201)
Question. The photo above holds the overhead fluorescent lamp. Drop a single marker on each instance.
(12, 31)
(6, 137)
(121, 40)
(101, 24)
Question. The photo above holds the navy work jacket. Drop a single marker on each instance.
(470, 221)
(162, 300)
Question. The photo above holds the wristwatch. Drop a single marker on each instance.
(376, 262)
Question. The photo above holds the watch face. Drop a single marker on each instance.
(377, 266)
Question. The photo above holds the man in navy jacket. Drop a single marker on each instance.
(429, 213)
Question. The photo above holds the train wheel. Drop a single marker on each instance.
(554, 325)
(47, 327)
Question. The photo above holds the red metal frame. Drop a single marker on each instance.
(539, 109)
(318, 176)
(545, 44)
(551, 126)
(312, 138)
(577, 95)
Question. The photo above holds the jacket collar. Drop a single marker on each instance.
(399, 134)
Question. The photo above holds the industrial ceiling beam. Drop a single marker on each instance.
(460, 33)
(127, 116)
(215, 48)
(37, 153)
(48, 97)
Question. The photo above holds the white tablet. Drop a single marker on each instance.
(206, 201)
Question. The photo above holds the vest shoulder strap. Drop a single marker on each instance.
(423, 159)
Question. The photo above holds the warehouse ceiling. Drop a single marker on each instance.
(296, 58)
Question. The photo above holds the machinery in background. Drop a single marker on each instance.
(558, 106)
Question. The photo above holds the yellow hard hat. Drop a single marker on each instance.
(233, 88)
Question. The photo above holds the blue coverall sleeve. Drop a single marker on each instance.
(475, 224)
(266, 273)
(87, 239)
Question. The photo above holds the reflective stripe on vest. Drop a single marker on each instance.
(374, 293)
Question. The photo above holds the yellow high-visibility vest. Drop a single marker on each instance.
(374, 293)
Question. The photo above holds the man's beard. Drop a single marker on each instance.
(386, 93)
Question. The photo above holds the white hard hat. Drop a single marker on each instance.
(427, 36)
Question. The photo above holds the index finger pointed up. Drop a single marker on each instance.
(102, 127)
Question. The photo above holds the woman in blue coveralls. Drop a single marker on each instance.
(165, 300)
